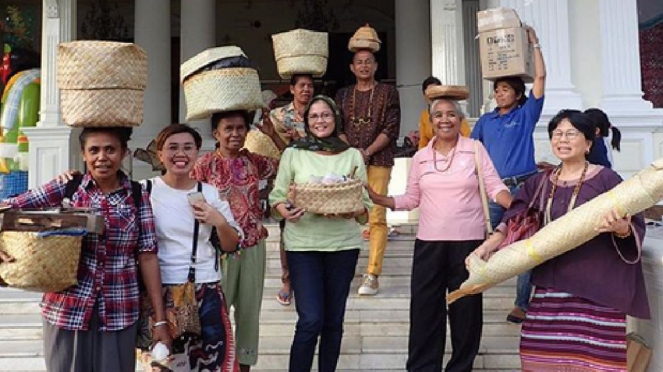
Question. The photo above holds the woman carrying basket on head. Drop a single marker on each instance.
(92, 326)
(322, 250)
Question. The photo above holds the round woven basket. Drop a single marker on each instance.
(100, 65)
(301, 52)
(454, 92)
(259, 143)
(41, 264)
(336, 198)
(222, 90)
(365, 38)
(102, 107)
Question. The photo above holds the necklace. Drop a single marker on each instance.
(353, 108)
(574, 196)
(451, 159)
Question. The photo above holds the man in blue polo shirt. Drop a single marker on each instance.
(507, 133)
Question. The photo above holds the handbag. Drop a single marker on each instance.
(180, 301)
(482, 190)
(526, 223)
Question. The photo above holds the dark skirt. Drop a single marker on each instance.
(563, 332)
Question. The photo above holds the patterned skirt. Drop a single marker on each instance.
(563, 332)
(214, 351)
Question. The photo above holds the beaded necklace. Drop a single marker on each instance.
(451, 159)
(576, 191)
(353, 108)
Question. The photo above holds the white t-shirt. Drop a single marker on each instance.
(174, 220)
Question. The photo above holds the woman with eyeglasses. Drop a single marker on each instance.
(577, 317)
(322, 250)
(444, 184)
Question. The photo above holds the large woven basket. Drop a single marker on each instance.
(222, 90)
(365, 38)
(47, 264)
(259, 143)
(301, 52)
(102, 83)
(336, 198)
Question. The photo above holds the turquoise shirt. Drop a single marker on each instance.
(315, 232)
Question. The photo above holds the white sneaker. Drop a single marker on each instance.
(370, 285)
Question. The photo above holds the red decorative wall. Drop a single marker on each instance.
(651, 60)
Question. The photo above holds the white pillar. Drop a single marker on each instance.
(198, 32)
(51, 150)
(152, 33)
(620, 56)
(446, 21)
(550, 19)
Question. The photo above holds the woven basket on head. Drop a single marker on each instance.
(454, 92)
(365, 38)
(47, 264)
(224, 89)
(336, 198)
(259, 143)
(102, 83)
(301, 52)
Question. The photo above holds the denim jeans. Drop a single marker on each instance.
(523, 287)
(321, 281)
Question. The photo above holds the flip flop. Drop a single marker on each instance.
(284, 298)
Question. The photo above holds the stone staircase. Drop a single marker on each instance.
(376, 328)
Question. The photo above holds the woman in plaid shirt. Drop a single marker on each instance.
(91, 326)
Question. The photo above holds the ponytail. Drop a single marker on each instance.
(616, 138)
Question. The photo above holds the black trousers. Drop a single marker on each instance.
(439, 267)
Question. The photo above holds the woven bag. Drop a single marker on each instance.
(102, 83)
(454, 92)
(336, 198)
(259, 143)
(301, 52)
(365, 38)
(48, 264)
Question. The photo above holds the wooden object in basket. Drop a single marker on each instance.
(336, 198)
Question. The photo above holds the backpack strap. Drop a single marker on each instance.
(148, 186)
(72, 186)
(137, 194)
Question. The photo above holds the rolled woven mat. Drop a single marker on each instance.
(638, 193)
(42, 264)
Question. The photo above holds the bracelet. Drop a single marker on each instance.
(625, 235)
(159, 324)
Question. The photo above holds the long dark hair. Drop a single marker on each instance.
(603, 123)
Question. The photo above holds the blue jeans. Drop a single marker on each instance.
(322, 283)
(523, 288)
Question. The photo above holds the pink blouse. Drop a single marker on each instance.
(447, 192)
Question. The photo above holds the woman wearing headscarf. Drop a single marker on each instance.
(322, 250)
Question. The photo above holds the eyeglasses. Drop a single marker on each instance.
(325, 116)
(571, 134)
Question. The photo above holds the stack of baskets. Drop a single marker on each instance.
(365, 38)
(101, 83)
(208, 89)
(301, 52)
(335, 198)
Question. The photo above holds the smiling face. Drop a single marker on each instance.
(446, 120)
(321, 120)
(302, 91)
(505, 96)
(179, 154)
(364, 65)
(230, 133)
(103, 153)
(568, 143)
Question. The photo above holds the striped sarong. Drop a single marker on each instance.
(563, 332)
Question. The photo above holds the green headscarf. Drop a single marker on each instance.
(332, 143)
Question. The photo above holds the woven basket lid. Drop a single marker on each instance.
(454, 92)
(365, 38)
(93, 64)
(206, 57)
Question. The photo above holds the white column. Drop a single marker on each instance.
(152, 33)
(550, 19)
(51, 150)
(446, 20)
(620, 56)
(198, 32)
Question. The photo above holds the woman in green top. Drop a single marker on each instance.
(322, 250)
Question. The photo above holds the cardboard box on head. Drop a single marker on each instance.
(504, 46)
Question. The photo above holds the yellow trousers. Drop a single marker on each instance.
(378, 179)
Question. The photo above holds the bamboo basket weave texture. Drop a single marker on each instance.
(365, 38)
(454, 92)
(336, 198)
(102, 83)
(259, 143)
(48, 264)
(301, 52)
(640, 192)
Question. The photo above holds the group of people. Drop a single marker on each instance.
(163, 235)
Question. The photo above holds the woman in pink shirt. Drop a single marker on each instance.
(443, 183)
